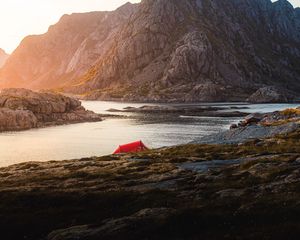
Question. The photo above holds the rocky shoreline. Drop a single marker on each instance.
(246, 190)
(257, 126)
(22, 109)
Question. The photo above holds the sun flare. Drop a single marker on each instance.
(19, 18)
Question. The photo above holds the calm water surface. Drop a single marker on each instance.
(94, 139)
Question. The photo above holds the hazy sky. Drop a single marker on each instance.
(19, 18)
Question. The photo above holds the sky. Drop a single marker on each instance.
(19, 18)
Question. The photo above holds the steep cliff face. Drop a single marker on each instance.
(3, 57)
(65, 52)
(193, 50)
(200, 50)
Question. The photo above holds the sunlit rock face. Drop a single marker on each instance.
(161, 50)
(65, 52)
(3, 57)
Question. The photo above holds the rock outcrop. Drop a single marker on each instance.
(3, 57)
(161, 50)
(257, 126)
(22, 109)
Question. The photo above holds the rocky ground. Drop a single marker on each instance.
(22, 109)
(256, 126)
(249, 190)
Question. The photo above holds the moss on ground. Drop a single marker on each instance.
(260, 194)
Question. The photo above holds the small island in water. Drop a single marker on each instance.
(22, 109)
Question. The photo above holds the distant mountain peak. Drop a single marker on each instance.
(3, 57)
(2, 51)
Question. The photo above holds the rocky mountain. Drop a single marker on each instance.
(65, 52)
(161, 50)
(3, 57)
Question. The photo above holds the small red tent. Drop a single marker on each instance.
(138, 146)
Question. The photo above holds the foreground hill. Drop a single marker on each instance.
(240, 191)
(3, 57)
(161, 50)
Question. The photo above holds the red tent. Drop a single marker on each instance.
(138, 146)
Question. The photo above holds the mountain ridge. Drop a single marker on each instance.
(188, 51)
(194, 41)
(3, 57)
(51, 59)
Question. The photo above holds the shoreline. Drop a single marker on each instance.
(23, 109)
(110, 147)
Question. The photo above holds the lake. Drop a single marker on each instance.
(102, 138)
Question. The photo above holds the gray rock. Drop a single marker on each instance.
(189, 63)
(257, 126)
(243, 134)
(271, 95)
(254, 117)
(186, 110)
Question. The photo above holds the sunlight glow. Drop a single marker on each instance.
(19, 18)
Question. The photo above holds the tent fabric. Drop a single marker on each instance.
(131, 147)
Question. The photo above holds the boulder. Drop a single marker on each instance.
(253, 118)
(12, 120)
